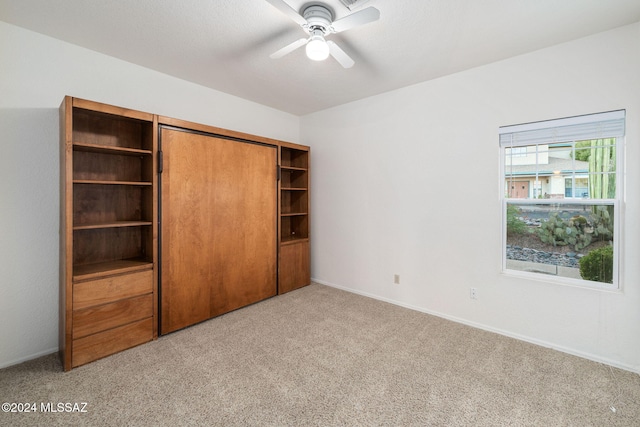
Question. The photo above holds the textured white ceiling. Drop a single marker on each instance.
(225, 44)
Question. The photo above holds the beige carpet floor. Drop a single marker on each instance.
(319, 356)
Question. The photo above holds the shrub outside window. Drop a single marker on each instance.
(561, 199)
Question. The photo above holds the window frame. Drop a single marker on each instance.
(616, 202)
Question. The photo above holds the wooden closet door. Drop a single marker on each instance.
(218, 226)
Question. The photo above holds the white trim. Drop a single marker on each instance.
(28, 357)
(542, 343)
(562, 280)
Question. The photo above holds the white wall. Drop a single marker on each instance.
(36, 72)
(408, 183)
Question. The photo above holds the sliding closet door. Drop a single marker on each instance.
(218, 226)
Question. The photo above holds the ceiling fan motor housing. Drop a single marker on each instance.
(318, 18)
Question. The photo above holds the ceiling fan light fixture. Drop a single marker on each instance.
(317, 21)
(317, 48)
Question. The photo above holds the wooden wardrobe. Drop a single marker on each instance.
(167, 223)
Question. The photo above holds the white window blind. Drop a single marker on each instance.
(578, 128)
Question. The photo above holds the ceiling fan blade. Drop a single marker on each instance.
(339, 55)
(361, 17)
(283, 7)
(288, 48)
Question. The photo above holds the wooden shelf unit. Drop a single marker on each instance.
(109, 226)
(294, 271)
(108, 230)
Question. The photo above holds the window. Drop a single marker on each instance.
(561, 199)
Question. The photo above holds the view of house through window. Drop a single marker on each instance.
(561, 198)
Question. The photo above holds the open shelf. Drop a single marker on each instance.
(294, 195)
(291, 158)
(293, 178)
(100, 129)
(97, 245)
(103, 182)
(294, 226)
(112, 166)
(97, 270)
(112, 205)
(293, 240)
(294, 202)
(111, 225)
(113, 190)
(105, 149)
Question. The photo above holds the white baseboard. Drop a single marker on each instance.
(27, 358)
(588, 356)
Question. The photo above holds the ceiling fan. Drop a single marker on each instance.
(317, 21)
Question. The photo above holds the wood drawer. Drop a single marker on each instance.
(110, 289)
(102, 317)
(103, 344)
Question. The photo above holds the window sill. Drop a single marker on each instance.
(549, 277)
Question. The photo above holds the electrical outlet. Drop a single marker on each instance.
(396, 279)
(473, 293)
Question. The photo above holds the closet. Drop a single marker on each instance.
(166, 223)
